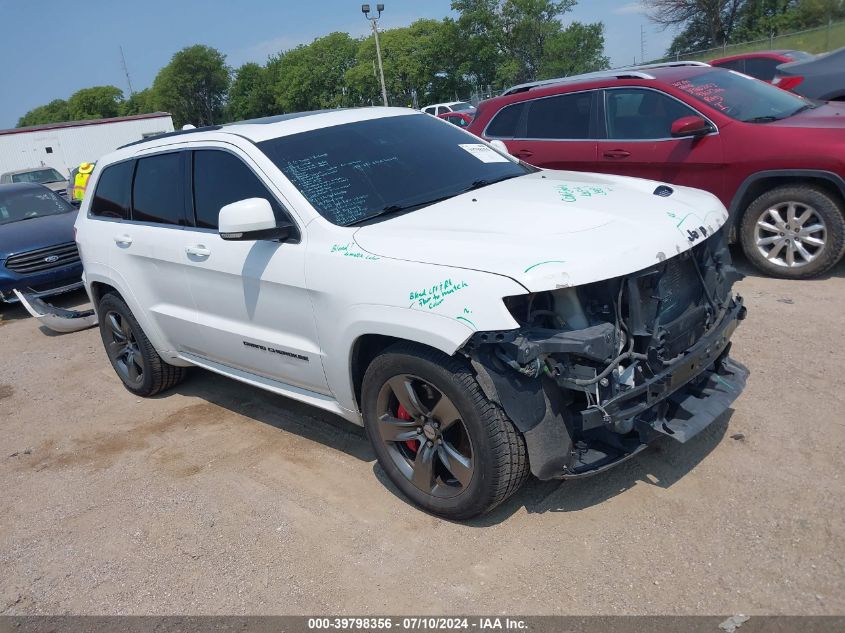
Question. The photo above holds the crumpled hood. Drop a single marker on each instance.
(552, 228)
(34, 233)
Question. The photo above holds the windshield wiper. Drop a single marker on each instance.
(398, 208)
(402, 208)
(763, 119)
(478, 184)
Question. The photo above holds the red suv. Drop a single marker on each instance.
(776, 160)
(761, 64)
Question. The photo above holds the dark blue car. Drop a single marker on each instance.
(37, 252)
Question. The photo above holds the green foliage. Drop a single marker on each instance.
(54, 112)
(250, 95)
(311, 77)
(99, 102)
(577, 49)
(142, 102)
(709, 24)
(193, 86)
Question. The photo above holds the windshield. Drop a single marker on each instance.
(30, 203)
(39, 176)
(355, 171)
(741, 97)
(462, 107)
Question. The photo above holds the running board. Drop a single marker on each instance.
(319, 400)
(56, 319)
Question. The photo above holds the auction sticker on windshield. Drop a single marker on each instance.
(483, 153)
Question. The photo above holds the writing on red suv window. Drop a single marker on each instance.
(710, 93)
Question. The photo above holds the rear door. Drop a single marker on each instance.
(639, 141)
(253, 309)
(557, 132)
(147, 198)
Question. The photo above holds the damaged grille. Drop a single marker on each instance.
(44, 259)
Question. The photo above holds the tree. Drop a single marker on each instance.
(250, 95)
(512, 41)
(143, 102)
(54, 112)
(528, 26)
(311, 76)
(579, 48)
(708, 23)
(193, 86)
(98, 102)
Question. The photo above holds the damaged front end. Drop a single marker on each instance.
(594, 373)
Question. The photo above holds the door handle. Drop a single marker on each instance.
(523, 153)
(123, 240)
(617, 153)
(198, 251)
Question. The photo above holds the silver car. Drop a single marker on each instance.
(47, 176)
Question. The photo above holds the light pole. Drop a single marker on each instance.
(365, 9)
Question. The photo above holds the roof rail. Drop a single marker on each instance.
(666, 65)
(626, 72)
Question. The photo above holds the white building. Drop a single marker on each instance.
(66, 145)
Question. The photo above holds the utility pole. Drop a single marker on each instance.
(126, 71)
(642, 44)
(365, 9)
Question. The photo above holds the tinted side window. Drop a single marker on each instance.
(735, 64)
(563, 117)
(221, 178)
(111, 199)
(761, 68)
(504, 123)
(157, 194)
(642, 114)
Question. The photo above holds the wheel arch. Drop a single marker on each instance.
(757, 184)
(366, 348)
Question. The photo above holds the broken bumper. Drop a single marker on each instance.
(53, 318)
(679, 402)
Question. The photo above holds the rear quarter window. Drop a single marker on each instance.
(113, 193)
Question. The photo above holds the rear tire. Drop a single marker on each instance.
(449, 449)
(793, 232)
(134, 359)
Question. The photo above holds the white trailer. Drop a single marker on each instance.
(66, 145)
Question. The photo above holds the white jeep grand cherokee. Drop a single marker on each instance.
(481, 318)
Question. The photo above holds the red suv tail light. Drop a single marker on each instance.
(787, 83)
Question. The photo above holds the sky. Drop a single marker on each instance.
(50, 49)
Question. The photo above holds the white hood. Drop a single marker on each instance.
(552, 229)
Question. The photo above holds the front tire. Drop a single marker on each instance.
(793, 232)
(133, 357)
(439, 439)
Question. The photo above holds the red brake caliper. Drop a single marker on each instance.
(402, 414)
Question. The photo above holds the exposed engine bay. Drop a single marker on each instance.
(596, 372)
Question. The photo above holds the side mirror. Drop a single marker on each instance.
(500, 145)
(691, 126)
(252, 219)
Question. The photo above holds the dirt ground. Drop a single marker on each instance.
(217, 498)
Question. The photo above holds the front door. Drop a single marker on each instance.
(639, 141)
(253, 309)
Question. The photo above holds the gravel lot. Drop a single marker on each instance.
(218, 498)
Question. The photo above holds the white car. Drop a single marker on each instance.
(452, 106)
(480, 317)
